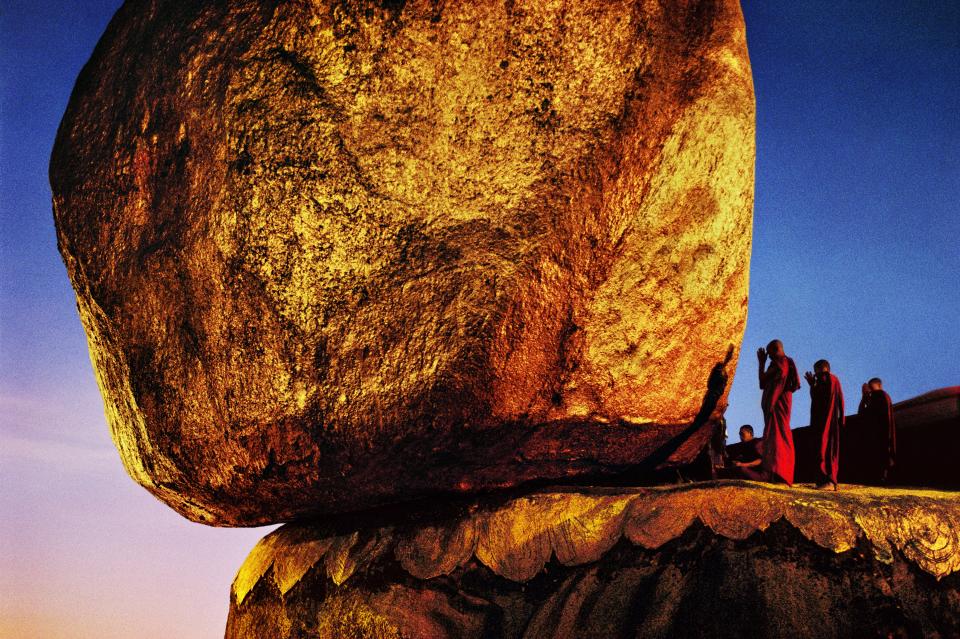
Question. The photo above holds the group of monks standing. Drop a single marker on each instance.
(775, 460)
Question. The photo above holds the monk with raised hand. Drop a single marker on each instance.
(826, 418)
(880, 430)
(778, 382)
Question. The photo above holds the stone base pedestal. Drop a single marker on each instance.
(724, 559)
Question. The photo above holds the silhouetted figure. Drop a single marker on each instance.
(703, 466)
(826, 418)
(778, 381)
(879, 434)
(716, 385)
(747, 464)
(718, 448)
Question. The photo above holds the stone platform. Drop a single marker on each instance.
(717, 559)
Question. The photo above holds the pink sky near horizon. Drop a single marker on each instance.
(84, 551)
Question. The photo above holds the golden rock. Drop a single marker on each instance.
(335, 255)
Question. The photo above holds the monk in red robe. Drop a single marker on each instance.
(826, 418)
(747, 464)
(879, 430)
(778, 382)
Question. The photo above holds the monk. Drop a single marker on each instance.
(747, 463)
(879, 430)
(826, 418)
(778, 382)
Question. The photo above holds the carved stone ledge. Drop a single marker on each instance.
(566, 560)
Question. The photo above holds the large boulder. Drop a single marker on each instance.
(333, 255)
(727, 560)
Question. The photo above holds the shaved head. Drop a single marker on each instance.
(775, 347)
(823, 365)
(875, 384)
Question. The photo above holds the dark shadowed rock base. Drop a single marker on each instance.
(782, 579)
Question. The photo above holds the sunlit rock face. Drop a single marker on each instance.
(730, 560)
(334, 255)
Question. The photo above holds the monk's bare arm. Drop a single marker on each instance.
(843, 409)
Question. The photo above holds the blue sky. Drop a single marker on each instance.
(856, 259)
(856, 238)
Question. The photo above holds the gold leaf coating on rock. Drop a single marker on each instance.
(258, 562)
(822, 524)
(737, 514)
(349, 615)
(330, 256)
(516, 539)
(925, 532)
(587, 528)
(653, 522)
(299, 557)
(339, 563)
(437, 550)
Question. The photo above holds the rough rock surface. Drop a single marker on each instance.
(330, 255)
(729, 559)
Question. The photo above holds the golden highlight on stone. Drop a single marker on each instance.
(650, 562)
(577, 526)
(332, 255)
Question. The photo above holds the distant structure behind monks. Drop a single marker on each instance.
(879, 430)
(778, 382)
(826, 418)
(914, 444)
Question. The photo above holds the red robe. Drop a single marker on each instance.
(880, 433)
(778, 383)
(826, 417)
